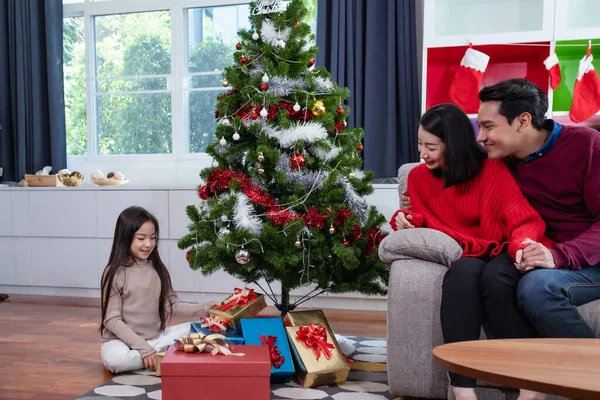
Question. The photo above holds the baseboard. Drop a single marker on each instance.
(91, 298)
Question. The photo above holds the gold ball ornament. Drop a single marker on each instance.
(332, 230)
(318, 108)
(260, 157)
(351, 175)
(225, 83)
(298, 244)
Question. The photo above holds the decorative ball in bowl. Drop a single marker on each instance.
(111, 179)
(69, 178)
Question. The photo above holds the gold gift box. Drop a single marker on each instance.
(316, 317)
(159, 357)
(321, 372)
(243, 311)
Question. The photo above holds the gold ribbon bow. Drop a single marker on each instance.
(199, 343)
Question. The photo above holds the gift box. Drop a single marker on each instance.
(159, 357)
(317, 356)
(242, 304)
(299, 318)
(272, 332)
(231, 334)
(191, 376)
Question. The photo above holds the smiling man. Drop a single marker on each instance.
(558, 169)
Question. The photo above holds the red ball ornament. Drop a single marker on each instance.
(346, 243)
(310, 62)
(233, 90)
(264, 86)
(297, 161)
(360, 148)
(340, 110)
(254, 115)
(243, 60)
(204, 193)
(238, 46)
(188, 255)
(339, 126)
(296, 25)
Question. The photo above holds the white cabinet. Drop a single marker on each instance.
(458, 22)
(14, 265)
(62, 213)
(577, 19)
(14, 218)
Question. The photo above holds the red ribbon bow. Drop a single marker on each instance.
(239, 297)
(276, 358)
(315, 337)
(214, 324)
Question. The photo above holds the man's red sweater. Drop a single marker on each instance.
(484, 215)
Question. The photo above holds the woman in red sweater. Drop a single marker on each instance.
(476, 201)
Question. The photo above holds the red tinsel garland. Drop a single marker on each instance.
(314, 218)
(245, 113)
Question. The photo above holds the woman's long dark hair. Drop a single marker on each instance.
(464, 156)
(128, 223)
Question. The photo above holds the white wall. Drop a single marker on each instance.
(56, 241)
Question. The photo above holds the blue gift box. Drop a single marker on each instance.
(254, 328)
(230, 333)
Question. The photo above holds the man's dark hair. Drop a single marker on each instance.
(464, 156)
(517, 96)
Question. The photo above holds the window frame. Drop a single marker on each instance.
(177, 81)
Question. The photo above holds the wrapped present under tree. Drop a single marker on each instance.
(243, 303)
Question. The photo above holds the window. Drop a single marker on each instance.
(142, 78)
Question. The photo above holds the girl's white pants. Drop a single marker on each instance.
(118, 357)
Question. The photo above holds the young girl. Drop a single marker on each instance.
(137, 297)
(476, 201)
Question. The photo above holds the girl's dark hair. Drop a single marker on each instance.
(129, 222)
(464, 156)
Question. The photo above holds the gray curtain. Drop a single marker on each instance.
(32, 109)
(370, 47)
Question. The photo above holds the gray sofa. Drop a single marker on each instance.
(419, 259)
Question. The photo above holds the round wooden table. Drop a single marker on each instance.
(564, 367)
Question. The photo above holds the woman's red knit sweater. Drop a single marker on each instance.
(483, 215)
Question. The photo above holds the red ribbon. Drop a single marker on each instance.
(239, 297)
(276, 358)
(214, 324)
(315, 337)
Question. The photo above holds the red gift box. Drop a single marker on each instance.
(190, 376)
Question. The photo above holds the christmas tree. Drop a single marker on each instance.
(284, 198)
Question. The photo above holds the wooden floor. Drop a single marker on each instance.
(50, 346)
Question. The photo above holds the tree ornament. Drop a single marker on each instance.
(360, 148)
(223, 142)
(255, 36)
(233, 89)
(238, 46)
(351, 175)
(261, 157)
(225, 83)
(311, 68)
(340, 110)
(265, 78)
(264, 113)
(188, 255)
(318, 108)
(346, 243)
(264, 86)
(345, 123)
(224, 218)
(254, 115)
(260, 169)
(281, 43)
(298, 244)
(297, 161)
(296, 107)
(204, 193)
(242, 256)
(215, 164)
(310, 62)
(243, 59)
(296, 25)
(331, 229)
(224, 231)
(236, 136)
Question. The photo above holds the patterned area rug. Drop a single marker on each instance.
(367, 380)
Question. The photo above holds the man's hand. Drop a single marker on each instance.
(405, 201)
(535, 255)
(403, 221)
(150, 362)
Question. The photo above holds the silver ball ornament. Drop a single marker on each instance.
(223, 232)
(255, 36)
(265, 78)
(296, 107)
(215, 164)
(223, 142)
(263, 113)
(236, 136)
(224, 218)
(242, 257)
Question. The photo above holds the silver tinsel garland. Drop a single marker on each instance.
(308, 132)
(323, 85)
(325, 154)
(356, 204)
(284, 86)
(271, 35)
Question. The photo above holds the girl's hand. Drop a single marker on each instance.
(403, 221)
(150, 362)
(211, 304)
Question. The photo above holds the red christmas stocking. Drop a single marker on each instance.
(586, 94)
(553, 68)
(464, 89)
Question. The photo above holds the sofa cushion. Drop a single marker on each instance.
(421, 243)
